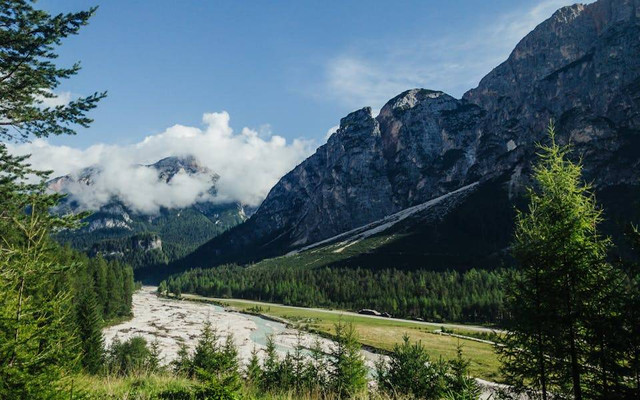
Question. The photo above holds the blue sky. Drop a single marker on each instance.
(291, 68)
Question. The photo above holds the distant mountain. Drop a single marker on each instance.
(117, 230)
(580, 67)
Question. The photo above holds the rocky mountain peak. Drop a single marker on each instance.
(170, 166)
(356, 118)
(581, 67)
(411, 99)
(356, 126)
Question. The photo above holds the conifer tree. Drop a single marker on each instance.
(348, 372)
(36, 339)
(36, 342)
(271, 366)
(298, 364)
(206, 358)
(317, 366)
(183, 365)
(253, 372)
(460, 384)
(411, 372)
(561, 263)
(153, 365)
(89, 332)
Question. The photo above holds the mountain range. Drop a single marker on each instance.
(116, 229)
(466, 161)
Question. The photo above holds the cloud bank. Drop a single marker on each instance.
(248, 164)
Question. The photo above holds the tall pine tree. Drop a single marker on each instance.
(561, 270)
(348, 371)
(36, 345)
(89, 332)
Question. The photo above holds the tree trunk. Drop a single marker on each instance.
(18, 315)
(575, 367)
(543, 372)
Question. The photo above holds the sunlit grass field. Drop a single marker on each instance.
(380, 333)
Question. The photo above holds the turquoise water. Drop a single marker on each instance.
(264, 328)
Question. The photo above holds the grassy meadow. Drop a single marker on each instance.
(381, 333)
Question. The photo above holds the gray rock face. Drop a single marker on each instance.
(342, 184)
(580, 67)
(429, 141)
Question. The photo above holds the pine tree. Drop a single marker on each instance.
(153, 364)
(27, 51)
(36, 320)
(271, 366)
(298, 365)
(348, 372)
(162, 288)
(460, 384)
(183, 364)
(36, 315)
(206, 358)
(317, 366)
(253, 372)
(561, 263)
(411, 372)
(89, 332)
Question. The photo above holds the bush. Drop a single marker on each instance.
(411, 372)
(132, 357)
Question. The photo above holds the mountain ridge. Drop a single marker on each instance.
(580, 67)
(116, 229)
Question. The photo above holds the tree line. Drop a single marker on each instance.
(471, 296)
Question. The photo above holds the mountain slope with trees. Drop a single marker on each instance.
(118, 231)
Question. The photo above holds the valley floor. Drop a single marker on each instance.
(379, 333)
(172, 322)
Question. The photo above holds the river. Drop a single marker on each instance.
(171, 322)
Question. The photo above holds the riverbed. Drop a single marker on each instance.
(172, 322)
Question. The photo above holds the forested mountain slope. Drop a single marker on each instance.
(145, 239)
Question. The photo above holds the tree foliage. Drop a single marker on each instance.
(29, 75)
(472, 296)
(564, 302)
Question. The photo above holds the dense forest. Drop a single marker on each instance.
(179, 232)
(472, 296)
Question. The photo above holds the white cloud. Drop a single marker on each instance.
(249, 163)
(369, 75)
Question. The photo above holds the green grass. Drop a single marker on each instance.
(380, 334)
(329, 254)
(148, 387)
(131, 388)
